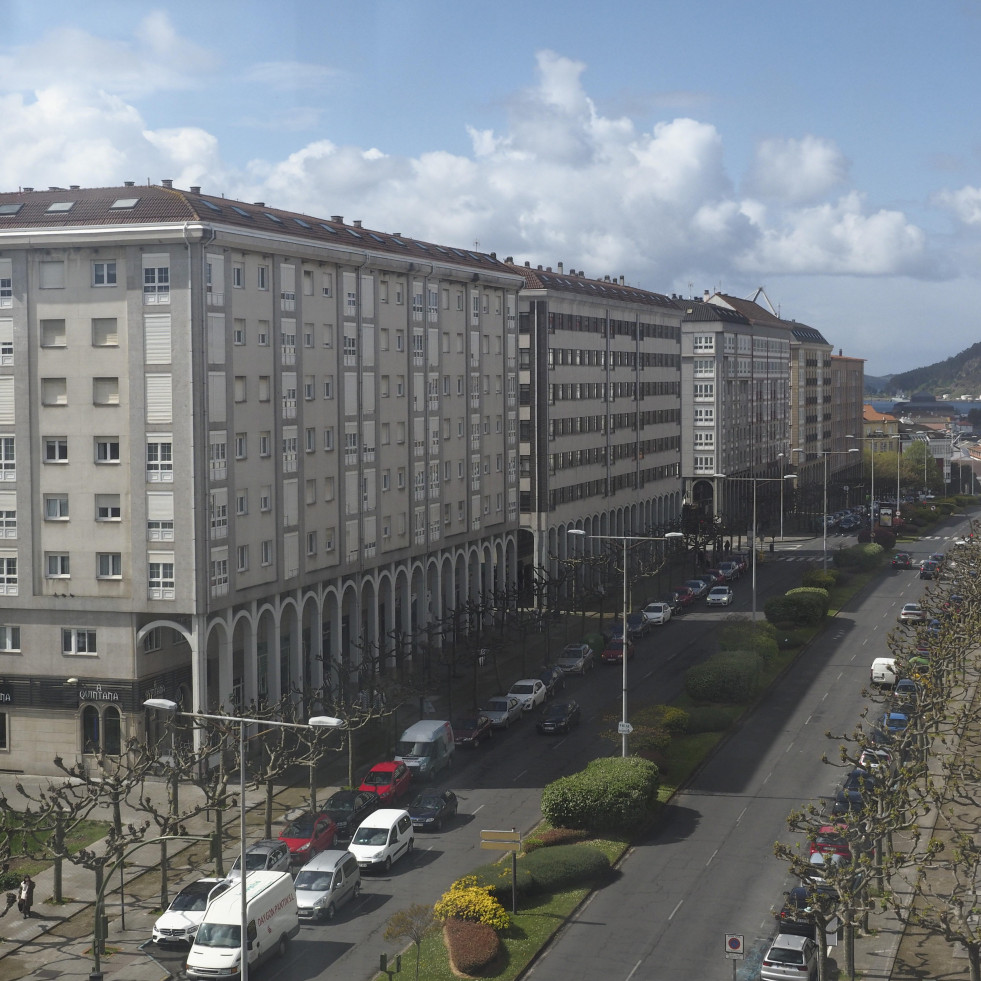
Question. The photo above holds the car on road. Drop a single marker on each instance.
(268, 855)
(179, 923)
(531, 692)
(876, 760)
(730, 570)
(613, 652)
(830, 840)
(939, 558)
(471, 730)
(657, 613)
(637, 625)
(429, 811)
(698, 586)
(928, 569)
(895, 722)
(553, 679)
(902, 560)
(575, 659)
(389, 781)
(308, 835)
(349, 808)
(796, 916)
(790, 956)
(912, 613)
(559, 717)
(502, 710)
(719, 596)
(906, 693)
(683, 598)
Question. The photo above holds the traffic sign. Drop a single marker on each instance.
(501, 841)
(734, 947)
(624, 728)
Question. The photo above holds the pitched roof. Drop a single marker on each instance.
(871, 414)
(760, 315)
(580, 285)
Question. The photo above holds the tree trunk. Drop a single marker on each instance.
(267, 816)
(59, 851)
(164, 897)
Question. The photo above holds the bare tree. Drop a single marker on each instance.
(415, 924)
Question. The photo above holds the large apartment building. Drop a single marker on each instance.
(600, 412)
(243, 452)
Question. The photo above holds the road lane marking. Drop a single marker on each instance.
(477, 808)
(634, 971)
(709, 862)
(519, 775)
(675, 910)
(741, 813)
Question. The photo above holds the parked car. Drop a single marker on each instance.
(928, 569)
(349, 808)
(559, 717)
(472, 730)
(575, 659)
(790, 956)
(553, 679)
(796, 916)
(613, 652)
(895, 722)
(730, 569)
(939, 558)
(268, 855)
(502, 710)
(430, 810)
(684, 596)
(530, 692)
(389, 781)
(657, 613)
(382, 839)
(714, 577)
(698, 586)
(308, 835)
(830, 841)
(637, 625)
(912, 613)
(906, 693)
(902, 560)
(876, 760)
(179, 922)
(719, 596)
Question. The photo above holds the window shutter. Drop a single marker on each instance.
(6, 400)
(159, 399)
(160, 506)
(216, 338)
(156, 338)
(216, 396)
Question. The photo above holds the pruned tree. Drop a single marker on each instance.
(415, 924)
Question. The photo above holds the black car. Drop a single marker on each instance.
(349, 808)
(429, 810)
(559, 717)
(860, 780)
(847, 802)
(902, 560)
(928, 569)
(796, 916)
(471, 730)
(553, 679)
(906, 693)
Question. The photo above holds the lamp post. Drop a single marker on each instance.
(824, 515)
(624, 726)
(781, 457)
(755, 481)
(166, 705)
(871, 439)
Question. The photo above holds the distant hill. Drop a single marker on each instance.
(957, 375)
(878, 385)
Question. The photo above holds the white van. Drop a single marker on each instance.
(272, 923)
(883, 672)
(326, 883)
(382, 838)
(426, 748)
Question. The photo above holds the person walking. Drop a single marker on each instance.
(26, 896)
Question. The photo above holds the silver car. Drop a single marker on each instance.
(790, 956)
(502, 710)
(575, 659)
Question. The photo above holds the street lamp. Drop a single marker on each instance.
(170, 707)
(624, 726)
(755, 481)
(780, 457)
(824, 514)
(872, 439)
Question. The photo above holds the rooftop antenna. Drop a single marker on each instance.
(756, 295)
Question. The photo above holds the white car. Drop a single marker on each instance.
(531, 692)
(575, 659)
(719, 596)
(502, 710)
(657, 613)
(180, 921)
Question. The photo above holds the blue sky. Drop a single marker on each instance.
(830, 152)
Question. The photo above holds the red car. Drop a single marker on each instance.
(389, 781)
(613, 652)
(830, 841)
(683, 596)
(309, 835)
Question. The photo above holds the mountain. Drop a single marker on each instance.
(878, 384)
(957, 375)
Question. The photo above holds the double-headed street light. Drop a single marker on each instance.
(624, 726)
(318, 721)
(755, 481)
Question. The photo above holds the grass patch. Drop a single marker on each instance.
(23, 840)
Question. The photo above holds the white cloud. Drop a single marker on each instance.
(796, 171)
(964, 204)
(283, 76)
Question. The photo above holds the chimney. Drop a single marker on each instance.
(561, 268)
(540, 268)
(621, 279)
(74, 187)
(705, 293)
(357, 222)
(129, 183)
(195, 189)
(547, 268)
(338, 218)
(259, 204)
(510, 259)
(168, 182)
(606, 279)
(527, 264)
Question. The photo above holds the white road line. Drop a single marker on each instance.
(741, 813)
(518, 776)
(709, 862)
(477, 808)
(807, 721)
(675, 910)
(634, 971)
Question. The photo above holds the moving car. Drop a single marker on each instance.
(530, 692)
(902, 560)
(308, 835)
(637, 625)
(389, 781)
(471, 730)
(502, 710)
(912, 613)
(559, 717)
(426, 748)
(730, 569)
(939, 558)
(349, 808)
(428, 811)
(719, 596)
(657, 613)
(553, 679)
(928, 569)
(613, 652)
(790, 956)
(268, 855)
(575, 659)
(180, 921)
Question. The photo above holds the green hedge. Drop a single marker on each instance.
(611, 793)
(821, 578)
(732, 676)
(864, 557)
(744, 635)
(563, 866)
(815, 598)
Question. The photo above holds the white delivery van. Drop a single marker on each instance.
(272, 922)
(382, 838)
(883, 672)
(426, 748)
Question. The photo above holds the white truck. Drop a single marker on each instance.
(272, 919)
(426, 748)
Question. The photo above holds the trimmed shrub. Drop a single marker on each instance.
(789, 639)
(552, 837)
(815, 597)
(784, 612)
(466, 900)
(885, 537)
(729, 677)
(496, 879)
(864, 557)
(472, 946)
(821, 578)
(610, 794)
(743, 635)
(708, 718)
(565, 866)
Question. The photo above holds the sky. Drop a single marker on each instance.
(829, 152)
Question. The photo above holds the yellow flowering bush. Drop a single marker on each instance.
(465, 900)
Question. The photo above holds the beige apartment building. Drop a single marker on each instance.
(600, 410)
(244, 452)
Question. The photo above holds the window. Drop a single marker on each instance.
(107, 449)
(53, 333)
(219, 575)
(56, 449)
(54, 391)
(159, 460)
(156, 279)
(310, 440)
(262, 277)
(308, 387)
(107, 507)
(240, 388)
(8, 516)
(265, 498)
(310, 490)
(8, 462)
(77, 641)
(109, 565)
(55, 507)
(160, 575)
(104, 273)
(238, 333)
(242, 558)
(105, 333)
(9, 639)
(242, 502)
(217, 456)
(329, 438)
(8, 575)
(105, 391)
(56, 565)
(6, 283)
(241, 446)
(266, 552)
(153, 640)
(51, 274)
(329, 540)
(262, 334)
(264, 443)
(329, 387)
(328, 488)
(238, 275)
(327, 284)
(311, 543)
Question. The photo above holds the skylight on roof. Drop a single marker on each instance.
(462, 255)
(439, 248)
(424, 248)
(278, 221)
(241, 211)
(125, 203)
(377, 238)
(475, 256)
(302, 223)
(61, 206)
(10, 209)
(213, 207)
(399, 241)
(351, 231)
(327, 228)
